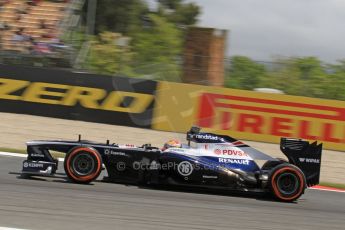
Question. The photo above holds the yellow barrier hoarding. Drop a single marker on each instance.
(249, 115)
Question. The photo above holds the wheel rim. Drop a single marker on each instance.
(287, 183)
(83, 164)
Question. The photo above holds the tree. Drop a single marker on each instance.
(285, 78)
(244, 73)
(107, 55)
(335, 82)
(128, 16)
(156, 49)
(307, 76)
(121, 16)
(312, 75)
(156, 36)
(178, 12)
(298, 76)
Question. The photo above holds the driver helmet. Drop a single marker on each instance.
(174, 143)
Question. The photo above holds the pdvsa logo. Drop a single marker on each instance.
(218, 151)
(230, 152)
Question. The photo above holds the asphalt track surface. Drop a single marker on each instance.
(53, 203)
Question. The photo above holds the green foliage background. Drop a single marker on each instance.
(133, 40)
(306, 76)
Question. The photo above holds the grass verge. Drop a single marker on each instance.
(333, 185)
(9, 150)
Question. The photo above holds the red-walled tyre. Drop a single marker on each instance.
(287, 182)
(83, 164)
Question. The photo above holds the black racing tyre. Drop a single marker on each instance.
(271, 164)
(287, 182)
(282, 160)
(83, 164)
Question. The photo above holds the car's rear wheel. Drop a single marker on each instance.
(271, 164)
(83, 164)
(287, 182)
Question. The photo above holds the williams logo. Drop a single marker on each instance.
(309, 160)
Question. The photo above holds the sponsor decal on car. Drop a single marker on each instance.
(309, 160)
(218, 151)
(230, 152)
(32, 165)
(200, 151)
(209, 177)
(36, 154)
(185, 168)
(127, 146)
(234, 161)
(114, 153)
(209, 137)
(178, 150)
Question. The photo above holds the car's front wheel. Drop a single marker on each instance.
(287, 182)
(83, 164)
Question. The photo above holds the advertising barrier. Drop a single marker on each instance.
(77, 96)
(171, 106)
(249, 115)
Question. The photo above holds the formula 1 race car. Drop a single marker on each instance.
(207, 161)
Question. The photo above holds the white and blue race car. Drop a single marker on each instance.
(206, 161)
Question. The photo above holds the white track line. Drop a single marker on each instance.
(5, 228)
(19, 155)
(13, 155)
(328, 190)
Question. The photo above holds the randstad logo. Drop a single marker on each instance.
(208, 137)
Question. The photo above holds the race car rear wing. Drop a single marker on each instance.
(304, 155)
